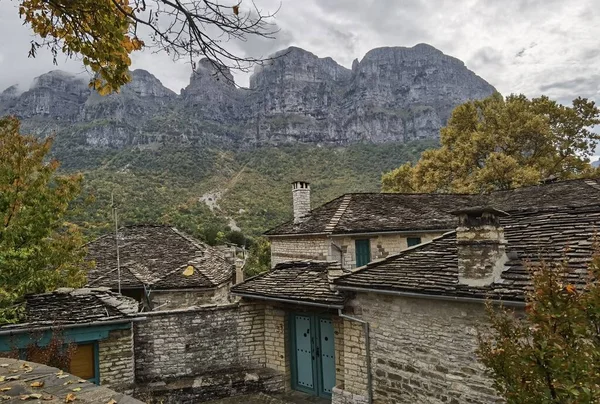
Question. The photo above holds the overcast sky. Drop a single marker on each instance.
(531, 46)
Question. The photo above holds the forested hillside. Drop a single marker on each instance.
(176, 185)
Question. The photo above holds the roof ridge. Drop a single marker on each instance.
(335, 219)
(196, 243)
(592, 183)
(183, 266)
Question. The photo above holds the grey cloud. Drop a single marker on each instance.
(488, 36)
(578, 84)
(486, 56)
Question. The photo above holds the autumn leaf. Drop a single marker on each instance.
(236, 9)
(5, 388)
(112, 401)
(189, 271)
(570, 289)
(77, 389)
(70, 398)
(37, 384)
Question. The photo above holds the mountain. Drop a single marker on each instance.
(192, 159)
(393, 94)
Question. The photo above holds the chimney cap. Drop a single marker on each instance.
(479, 210)
(305, 182)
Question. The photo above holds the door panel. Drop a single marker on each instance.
(327, 354)
(304, 352)
(82, 362)
(313, 354)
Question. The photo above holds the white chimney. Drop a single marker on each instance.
(301, 198)
(481, 245)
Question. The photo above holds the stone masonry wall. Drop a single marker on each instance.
(382, 246)
(422, 351)
(116, 360)
(189, 343)
(277, 342)
(299, 248)
(319, 247)
(171, 300)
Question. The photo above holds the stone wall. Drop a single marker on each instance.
(180, 299)
(320, 247)
(382, 246)
(188, 343)
(277, 342)
(116, 360)
(200, 354)
(299, 248)
(421, 351)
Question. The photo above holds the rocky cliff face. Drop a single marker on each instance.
(391, 95)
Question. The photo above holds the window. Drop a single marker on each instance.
(363, 252)
(84, 362)
(413, 241)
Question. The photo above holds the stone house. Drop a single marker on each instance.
(160, 267)
(355, 229)
(99, 323)
(406, 331)
(425, 305)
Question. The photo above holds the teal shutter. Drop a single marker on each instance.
(413, 241)
(304, 354)
(363, 252)
(327, 356)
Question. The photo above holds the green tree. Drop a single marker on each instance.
(39, 250)
(552, 353)
(259, 257)
(499, 143)
(105, 32)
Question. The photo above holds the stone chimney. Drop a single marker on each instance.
(301, 197)
(481, 245)
(334, 271)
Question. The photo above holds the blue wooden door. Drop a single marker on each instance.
(327, 356)
(363, 252)
(305, 375)
(313, 354)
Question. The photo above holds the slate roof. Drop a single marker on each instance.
(431, 268)
(303, 282)
(75, 306)
(156, 257)
(53, 389)
(373, 213)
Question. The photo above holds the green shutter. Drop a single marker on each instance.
(413, 241)
(363, 252)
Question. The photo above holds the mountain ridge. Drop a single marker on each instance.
(393, 94)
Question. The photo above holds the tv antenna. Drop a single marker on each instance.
(114, 210)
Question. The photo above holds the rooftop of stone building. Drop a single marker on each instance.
(300, 282)
(28, 381)
(384, 212)
(75, 306)
(160, 257)
(548, 234)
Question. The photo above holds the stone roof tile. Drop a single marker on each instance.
(431, 268)
(84, 305)
(156, 256)
(299, 281)
(373, 213)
